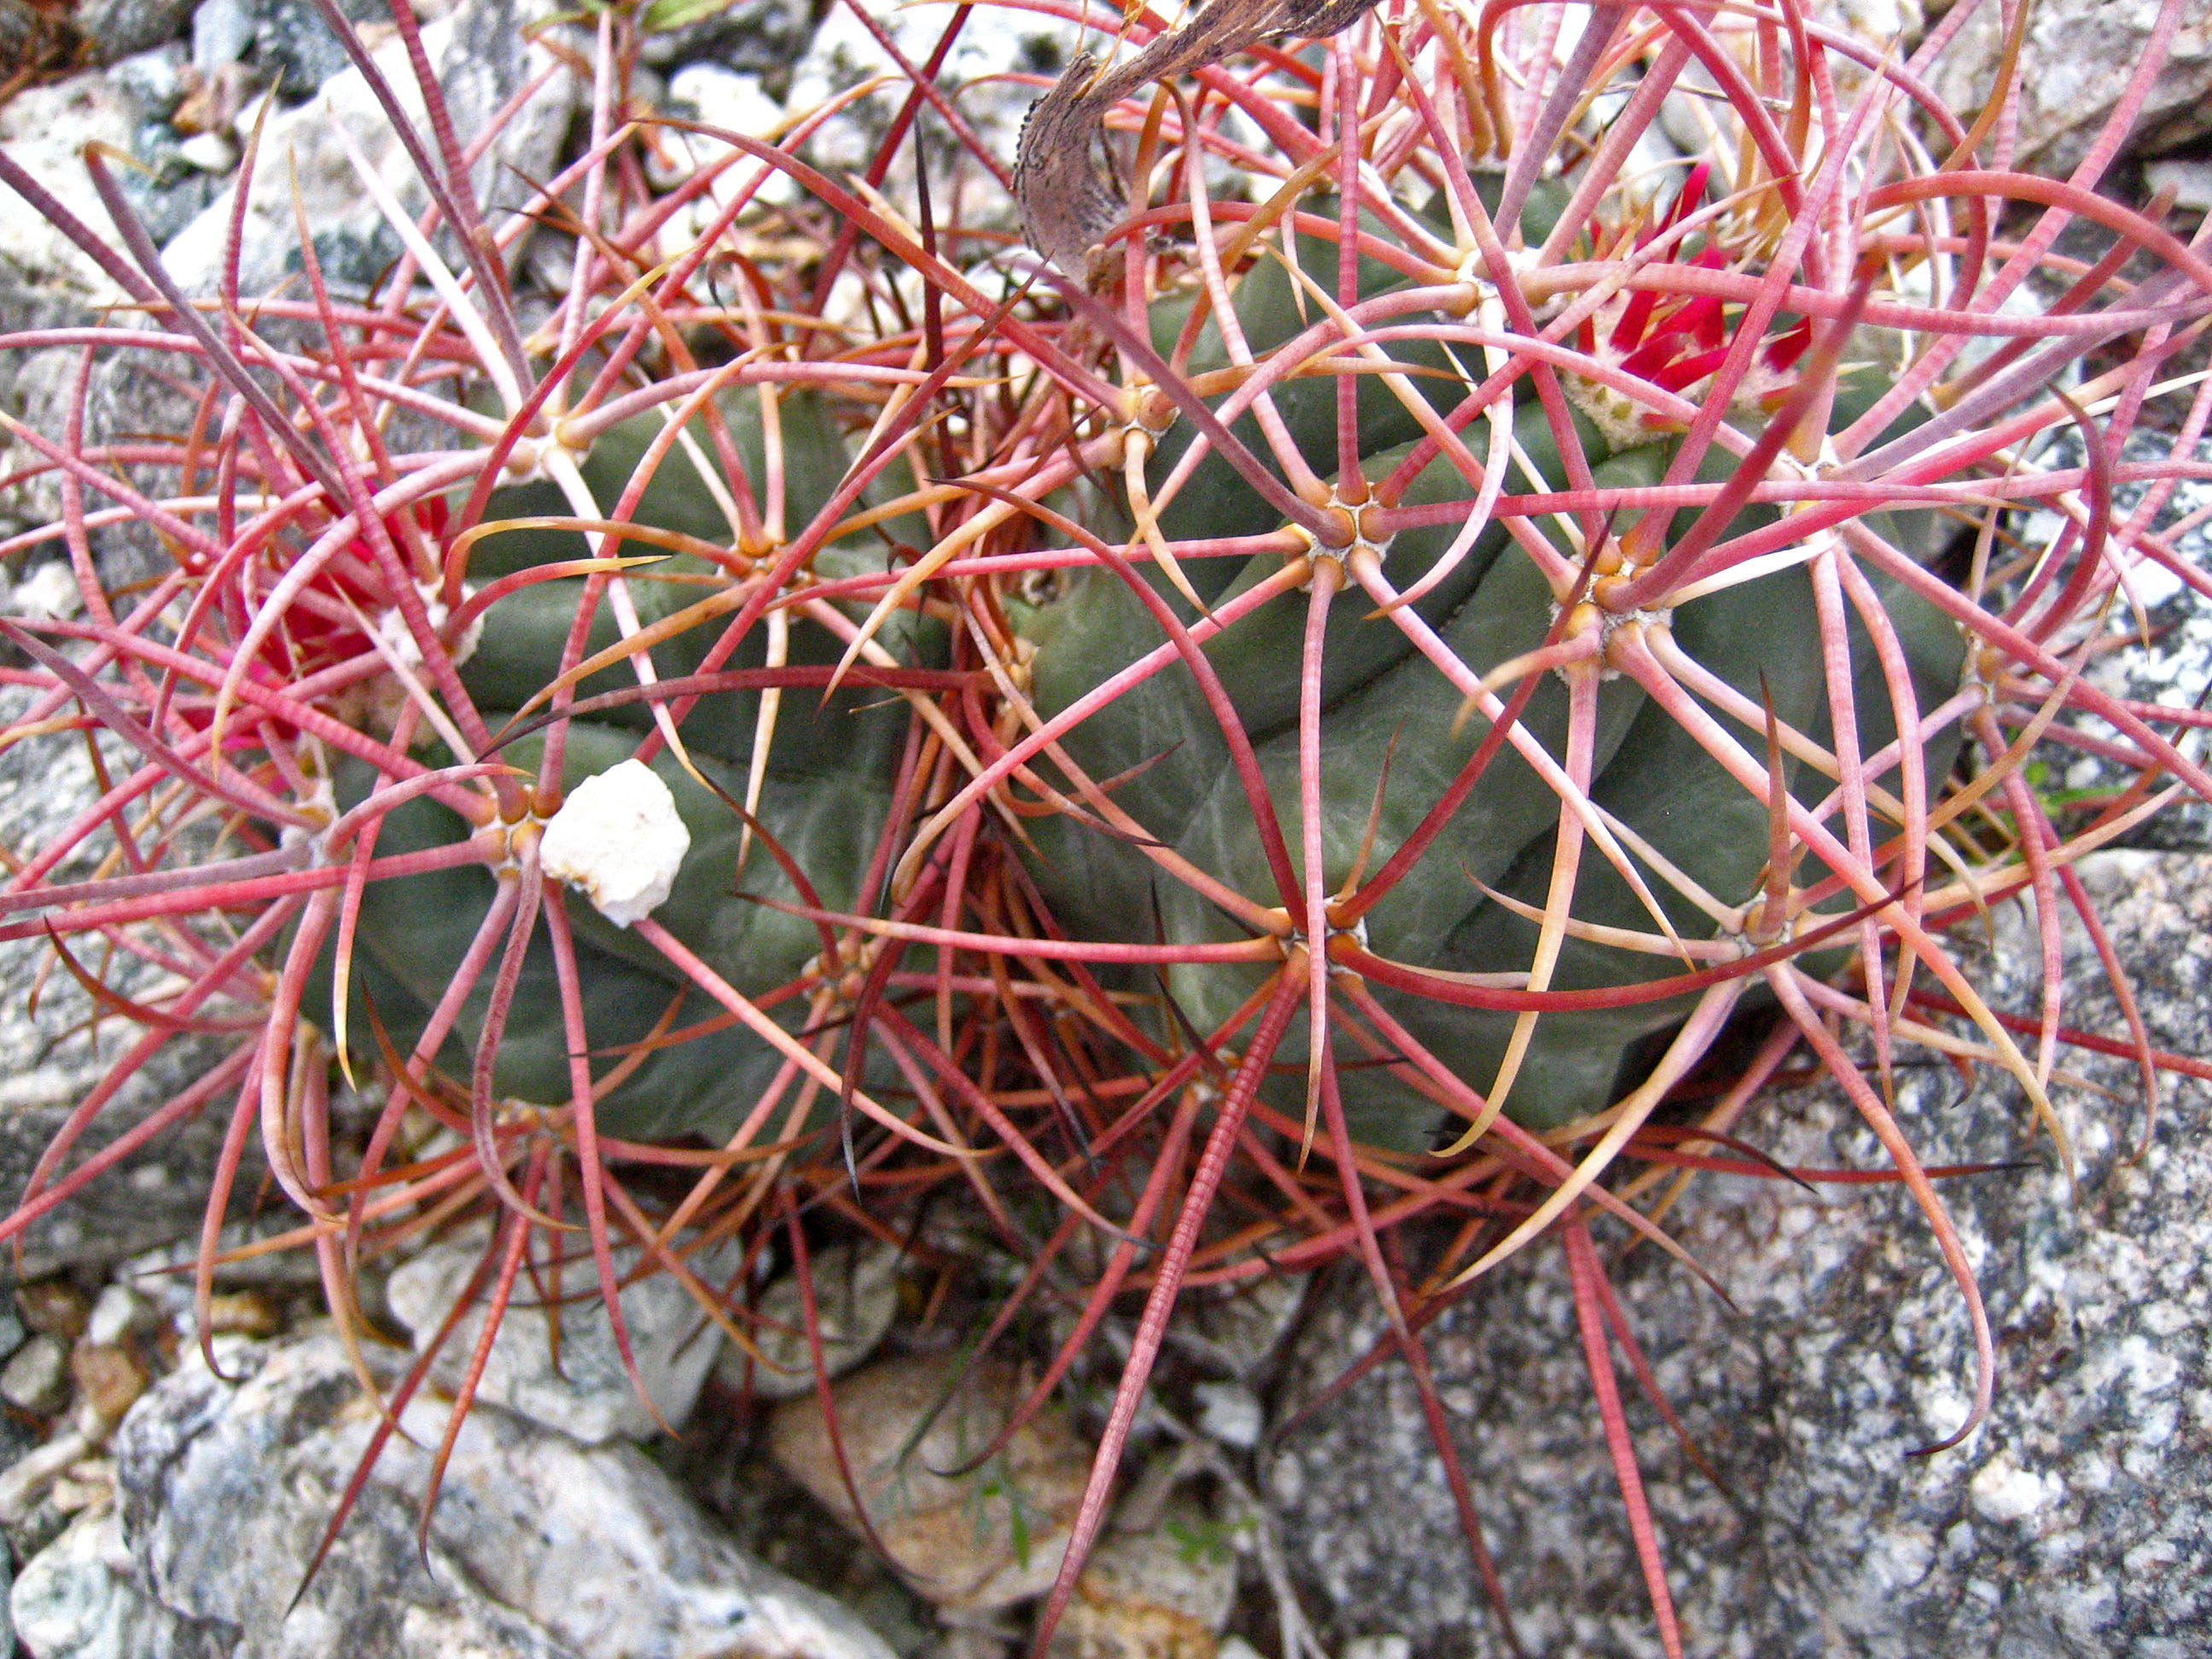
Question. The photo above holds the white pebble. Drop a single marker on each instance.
(727, 99)
(22, 1482)
(119, 1311)
(210, 152)
(223, 33)
(2190, 182)
(617, 839)
(37, 1378)
(1230, 1412)
(2003, 1491)
(50, 593)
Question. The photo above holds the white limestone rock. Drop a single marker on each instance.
(75, 1599)
(48, 593)
(732, 101)
(46, 279)
(539, 1548)
(994, 46)
(2077, 59)
(483, 59)
(618, 840)
(223, 30)
(2191, 181)
(588, 1396)
(856, 1298)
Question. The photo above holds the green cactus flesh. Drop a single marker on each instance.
(1379, 697)
(825, 796)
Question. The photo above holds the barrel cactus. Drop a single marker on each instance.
(1399, 726)
(1543, 610)
(772, 782)
(1475, 557)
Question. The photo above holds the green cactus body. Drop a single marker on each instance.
(825, 795)
(1380, 697)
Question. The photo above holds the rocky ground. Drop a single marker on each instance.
(153, 1505)
(2067, 1525)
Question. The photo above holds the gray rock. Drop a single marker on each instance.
(295, 43)
(35, 388)
(117, 28)
(75, 1596)
(2055, 1530)
(176, 186)
(45, 279)
(37, 1379)
(223, 30)
(2076, 59)
(100, 30)
(154, 80)
(855, 1298)
(488, 61)
(53, 1053)
(131, 392)
(1234, 1329)
(483, 59)
(993, 45)
(584, 1390)
(539, 1548)
(765, 37)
